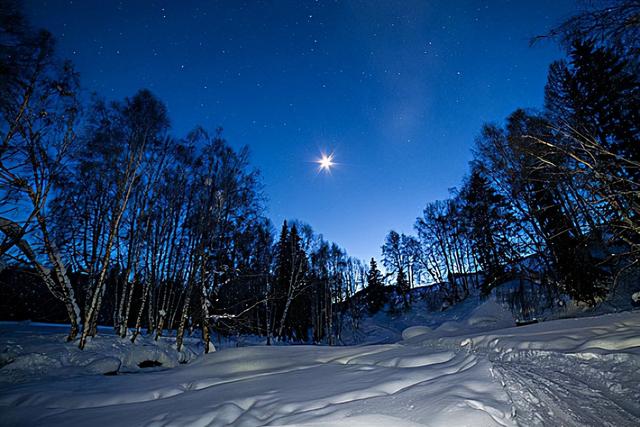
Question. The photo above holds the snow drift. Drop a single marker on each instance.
(469, 371)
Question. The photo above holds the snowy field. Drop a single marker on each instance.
(471, 371)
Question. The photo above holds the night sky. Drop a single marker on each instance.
(397, 90)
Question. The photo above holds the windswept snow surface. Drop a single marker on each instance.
(469, 372)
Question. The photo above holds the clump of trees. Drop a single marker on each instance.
(556, 191)
(125, 224)
(128, 225)
(315, 282)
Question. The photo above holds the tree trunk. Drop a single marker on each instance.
(206, 338)
(184, 315)
(145, 297)
(63, 290)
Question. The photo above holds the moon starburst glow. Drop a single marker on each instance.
(326, 162)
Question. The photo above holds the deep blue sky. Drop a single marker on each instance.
(396, 89)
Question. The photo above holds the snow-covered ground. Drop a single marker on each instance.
(385, 327)
(38, 350)
(467, 370)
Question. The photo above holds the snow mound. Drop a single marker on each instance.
(414, 331)
(635, 298)
(105, 365)
(35, 350)
(487, 316)
(490, 315)
(474, 313)
(451, 326)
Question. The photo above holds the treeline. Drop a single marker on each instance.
(127, 225)
(553, 193)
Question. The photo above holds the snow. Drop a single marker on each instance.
(474, 313)
(414, 331)
(469, 367)
(39, 350)
(276, 385)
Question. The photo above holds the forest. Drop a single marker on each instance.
(126, 225)
(551, 195)
(109, 219)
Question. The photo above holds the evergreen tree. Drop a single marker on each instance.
(289, 294)
(282, 274)
(376, 297)
(597, 93)
(488, 223)
(299, 316)
(566, 243)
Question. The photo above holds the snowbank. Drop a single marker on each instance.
(296, 385)
(568, 372)
(414, 331)
(35, 350)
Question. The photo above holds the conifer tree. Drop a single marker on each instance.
(489, 225)
(289, 294)
(375, 288)
(299, 315)
(282, 273)
(597, 92)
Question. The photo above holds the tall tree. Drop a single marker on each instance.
(489, 225)
(376, 297)
(119, 140)
(402, 286)
(597, 93)
(38, 110)
(290, 286)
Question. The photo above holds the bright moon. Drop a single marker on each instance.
(326, 162)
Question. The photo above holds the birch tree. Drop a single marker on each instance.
(39, 110)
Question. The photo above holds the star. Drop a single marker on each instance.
(326, 162)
